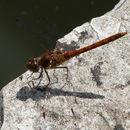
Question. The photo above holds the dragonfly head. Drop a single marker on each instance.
(32, 65)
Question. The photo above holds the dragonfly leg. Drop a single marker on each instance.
(30, 75)
(55, 78)
(67, 77)
(47, 77)
(39, 77)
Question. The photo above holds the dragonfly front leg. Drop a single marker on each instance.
(39, 77)
(43, 88)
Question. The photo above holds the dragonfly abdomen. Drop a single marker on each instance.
(71, 54)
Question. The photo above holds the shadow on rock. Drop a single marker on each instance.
(37, 94)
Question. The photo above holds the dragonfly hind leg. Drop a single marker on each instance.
(67, 77)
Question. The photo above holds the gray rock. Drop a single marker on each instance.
(96, 97)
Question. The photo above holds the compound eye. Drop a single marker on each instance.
(35, 61)
(32, 65)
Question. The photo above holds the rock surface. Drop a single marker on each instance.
(97, 95)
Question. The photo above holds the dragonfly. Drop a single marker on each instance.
(52, 59)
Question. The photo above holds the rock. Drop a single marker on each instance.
(96, 94)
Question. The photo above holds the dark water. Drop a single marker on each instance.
(28, 27)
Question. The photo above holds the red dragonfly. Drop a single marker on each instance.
(52, 59)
